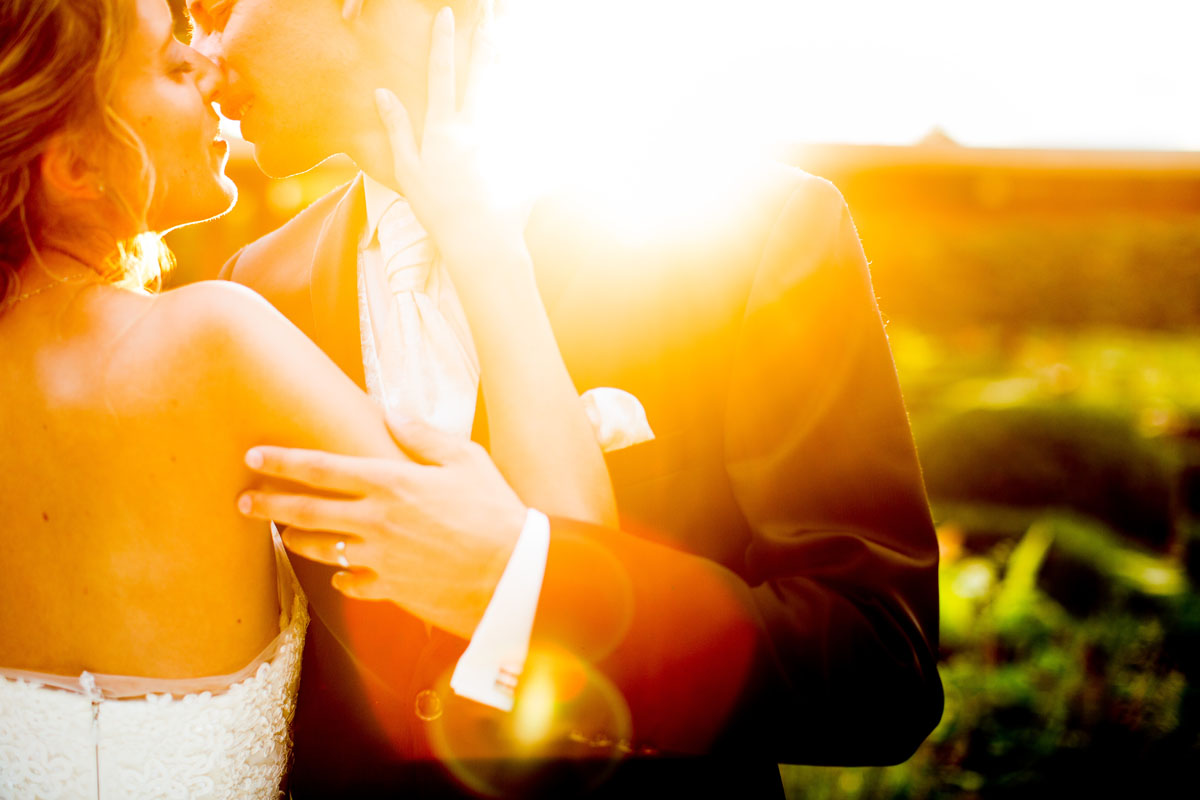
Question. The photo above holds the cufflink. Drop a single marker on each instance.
(506, 681)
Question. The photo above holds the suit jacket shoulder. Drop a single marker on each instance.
(746, 323)
(280, 264)
(267, 255)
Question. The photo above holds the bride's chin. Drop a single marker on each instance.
(220, 202)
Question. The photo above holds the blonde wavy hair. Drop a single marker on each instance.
(58, 65)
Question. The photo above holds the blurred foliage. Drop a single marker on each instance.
(1058, 467)
(1045, 456)
(1127, 270)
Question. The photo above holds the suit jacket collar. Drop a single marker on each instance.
(378, 199)
(334, 282)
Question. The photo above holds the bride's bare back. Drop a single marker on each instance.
(121, 438)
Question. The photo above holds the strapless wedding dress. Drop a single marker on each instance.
(103, 736)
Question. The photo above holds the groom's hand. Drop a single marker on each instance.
(432, 535)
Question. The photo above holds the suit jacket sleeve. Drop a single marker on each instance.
(823, 648)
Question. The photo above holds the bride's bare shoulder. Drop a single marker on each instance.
(224, 320)
(210, 341)
(212, 306)
(247, 358)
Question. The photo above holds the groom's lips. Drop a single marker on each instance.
(242, 123)
(235, 107)
(236, 111)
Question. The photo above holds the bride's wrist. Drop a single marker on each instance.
(487, 256)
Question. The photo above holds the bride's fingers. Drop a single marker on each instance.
(351, 9)
(440, 103)
(320, 470)
(398, 125)
(308, 512)
(483, 59)
(327, 548)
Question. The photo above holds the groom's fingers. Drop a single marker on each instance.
(327, 548)
(320, 470)
(308, 512)
(440, 103)
(361, 584)
(424, 443)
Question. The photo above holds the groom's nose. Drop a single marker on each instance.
(209, 47)
(211, 83)
(208, 44)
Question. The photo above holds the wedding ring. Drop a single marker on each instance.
(342, 561)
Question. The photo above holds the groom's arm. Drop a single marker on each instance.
(824, 649)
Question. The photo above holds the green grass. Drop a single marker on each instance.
(1069, 610)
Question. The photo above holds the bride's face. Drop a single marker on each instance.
(164, 91)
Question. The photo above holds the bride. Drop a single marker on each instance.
(150, 635)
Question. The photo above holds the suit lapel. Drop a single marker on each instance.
(334, 283)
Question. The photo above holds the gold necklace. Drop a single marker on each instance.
(40, 289)
(56, 281)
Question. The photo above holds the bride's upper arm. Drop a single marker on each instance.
(278, 386)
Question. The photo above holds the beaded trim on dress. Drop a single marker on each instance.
(228, 743)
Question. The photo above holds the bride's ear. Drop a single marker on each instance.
(67, 173)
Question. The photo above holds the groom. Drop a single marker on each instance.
(772, 593)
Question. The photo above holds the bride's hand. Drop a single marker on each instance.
(442, 173)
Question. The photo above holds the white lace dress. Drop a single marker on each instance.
(105, 736)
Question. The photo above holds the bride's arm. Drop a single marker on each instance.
(540, 437)
(275, 387)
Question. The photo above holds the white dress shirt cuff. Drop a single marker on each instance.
(488, 671)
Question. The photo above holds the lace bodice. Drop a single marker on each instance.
(101, 736)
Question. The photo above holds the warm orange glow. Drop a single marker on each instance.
(564, 708)
(628, 74)
(534, 715)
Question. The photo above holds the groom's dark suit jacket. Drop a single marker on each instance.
(772, 593)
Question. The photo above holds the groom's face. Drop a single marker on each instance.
(301, 78)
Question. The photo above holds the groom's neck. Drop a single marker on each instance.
(373, 155)
(394, 54)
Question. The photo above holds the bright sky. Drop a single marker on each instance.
(999, 73)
